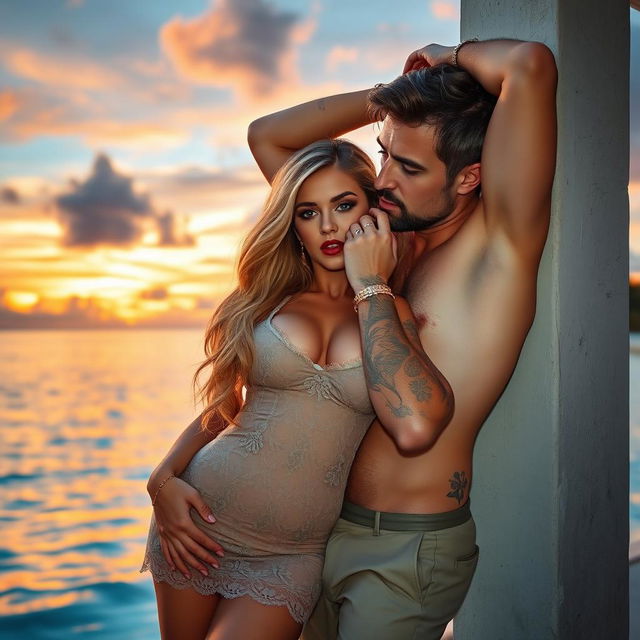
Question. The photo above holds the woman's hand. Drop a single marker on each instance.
(370, 250)
(428, 56)
(181, 541)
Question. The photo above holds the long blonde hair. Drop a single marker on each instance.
(270, 267)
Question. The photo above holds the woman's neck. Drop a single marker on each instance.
(332, 283)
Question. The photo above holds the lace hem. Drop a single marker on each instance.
(229, 584)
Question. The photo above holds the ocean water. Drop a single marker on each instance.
(84, 417)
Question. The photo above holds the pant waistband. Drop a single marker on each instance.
(405, 521)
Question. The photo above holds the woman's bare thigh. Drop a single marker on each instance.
(247, 619)
(184, 614)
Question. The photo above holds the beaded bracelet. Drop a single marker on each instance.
(454, 57)
(155, 496)
(370, 291)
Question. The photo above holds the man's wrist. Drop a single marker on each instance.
(371, 291)
(456, 50)
(368, 281)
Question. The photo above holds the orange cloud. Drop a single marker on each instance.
(245, 45)
(338, 55)
(445, 10)
(9, 103)
(59, 72)
(40, 116)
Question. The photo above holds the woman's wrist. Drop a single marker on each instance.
(157, 477)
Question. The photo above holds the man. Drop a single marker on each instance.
(403, 554)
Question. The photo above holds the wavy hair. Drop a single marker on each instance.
(447, 97)
(269, 268)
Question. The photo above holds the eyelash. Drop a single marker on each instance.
(350, 204)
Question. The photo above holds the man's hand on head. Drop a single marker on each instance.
(428, 56)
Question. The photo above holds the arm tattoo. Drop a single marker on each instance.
(421, 390)
(386, 353)
(411, 330)
(412, 367)
(386, 356)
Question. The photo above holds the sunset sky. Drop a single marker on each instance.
(126, 184)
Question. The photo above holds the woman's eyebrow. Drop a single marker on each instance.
(342, 195)
(338, 197)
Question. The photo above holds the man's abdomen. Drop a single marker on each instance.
(432, 482)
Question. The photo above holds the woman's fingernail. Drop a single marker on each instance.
(210, 518)
(204, 572)
(220, 553)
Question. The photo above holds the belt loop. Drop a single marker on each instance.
(376, 524)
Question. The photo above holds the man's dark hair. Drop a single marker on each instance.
(446, 97)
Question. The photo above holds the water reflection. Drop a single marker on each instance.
(84, 416)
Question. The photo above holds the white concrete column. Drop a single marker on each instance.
(550, 492)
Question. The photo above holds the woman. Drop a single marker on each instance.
(273, 480)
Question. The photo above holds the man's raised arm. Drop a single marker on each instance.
(519, 153)
(518, 156)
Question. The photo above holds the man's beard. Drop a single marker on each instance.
(406, 221)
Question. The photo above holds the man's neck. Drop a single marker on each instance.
(431, 238)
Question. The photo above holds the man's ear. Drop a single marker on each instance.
(469, 179)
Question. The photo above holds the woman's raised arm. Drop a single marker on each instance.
(273, 138)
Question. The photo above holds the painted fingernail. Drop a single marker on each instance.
(204, 572)
(210, 518)
(186, 575)
(215, 565)
(220, 553)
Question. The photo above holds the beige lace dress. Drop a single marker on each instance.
(275, 483)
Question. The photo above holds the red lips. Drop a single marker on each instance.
(331, 247)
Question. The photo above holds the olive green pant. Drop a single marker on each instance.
(394, 576)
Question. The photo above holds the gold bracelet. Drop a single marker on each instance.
(370, 291)
(155, 496)
(454, 57)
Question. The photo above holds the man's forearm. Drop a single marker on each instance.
(411, 398)
(490, 61)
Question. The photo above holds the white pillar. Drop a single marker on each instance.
(551, 483)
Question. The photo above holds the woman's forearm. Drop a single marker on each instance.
(274, 137)
(190, 441)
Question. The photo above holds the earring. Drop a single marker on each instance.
(303, 255)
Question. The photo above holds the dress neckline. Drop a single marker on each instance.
(338, 366)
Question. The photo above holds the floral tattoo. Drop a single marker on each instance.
(458, 482)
